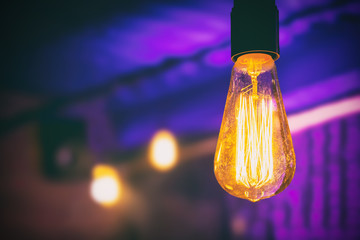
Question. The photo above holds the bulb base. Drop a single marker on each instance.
(254, 28)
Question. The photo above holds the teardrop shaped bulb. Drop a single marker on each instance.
(254, 156)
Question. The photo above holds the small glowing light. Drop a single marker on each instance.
(64, 156)
(238, 226)
(105, 187)
(163, 151)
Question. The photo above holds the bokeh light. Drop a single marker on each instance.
(163, 150)
(105, 187)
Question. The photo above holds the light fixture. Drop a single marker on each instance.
(105, 187)
(254, 157)
(163, 151)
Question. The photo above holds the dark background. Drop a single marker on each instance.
(99, 78)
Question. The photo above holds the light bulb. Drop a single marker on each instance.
(254, 156)
(105, 187)
(163, 151)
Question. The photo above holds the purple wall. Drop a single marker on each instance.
(322, 200)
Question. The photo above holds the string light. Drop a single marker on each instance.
(105, 187)
(163, 151)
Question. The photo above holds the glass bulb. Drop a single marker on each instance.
(254, 156)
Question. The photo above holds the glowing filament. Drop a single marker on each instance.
(254, 158)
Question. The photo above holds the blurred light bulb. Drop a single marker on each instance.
(105, 187)
(163, 151)
(254, 157)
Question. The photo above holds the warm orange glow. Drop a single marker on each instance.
(163, 151)
(105, 187)
(254, 157)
